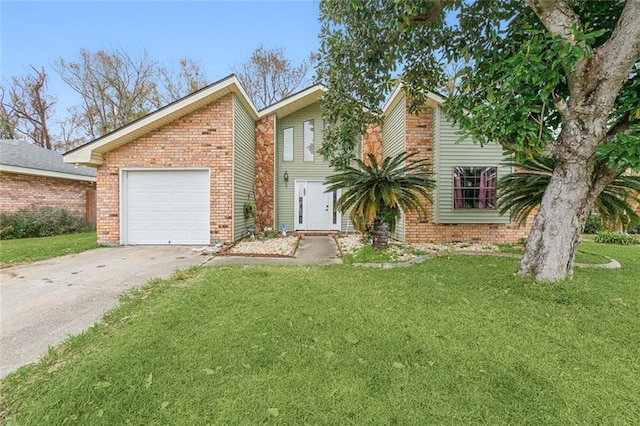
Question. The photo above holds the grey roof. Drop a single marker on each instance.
(24, 154)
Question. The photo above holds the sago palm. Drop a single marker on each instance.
(376, 193)
(521, 192)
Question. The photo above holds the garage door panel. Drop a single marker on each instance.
(167, 207)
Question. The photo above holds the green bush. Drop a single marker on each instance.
(40, 222)
(593, 224)
(614, 238)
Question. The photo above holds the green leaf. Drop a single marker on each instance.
(208, 371)
(398, 365)
(273, 412)
(101, 385)
(351, 338)
(148, 381)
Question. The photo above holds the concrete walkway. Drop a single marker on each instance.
(312, 250)
(44, 302)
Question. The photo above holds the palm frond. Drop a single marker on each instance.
(522, 191)
(373, 191)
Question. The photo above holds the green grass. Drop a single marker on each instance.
(15, 252)
(394, 253)
(454, 340)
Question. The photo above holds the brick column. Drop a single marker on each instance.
(419, 139)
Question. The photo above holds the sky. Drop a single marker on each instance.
(219, 35)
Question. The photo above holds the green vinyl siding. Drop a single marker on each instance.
(449, 153)
(393, 138)
(243, 167)
(298, 169)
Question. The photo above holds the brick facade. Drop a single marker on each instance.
(265, 172)
(202, 139)
(419, 138)
(20, 191)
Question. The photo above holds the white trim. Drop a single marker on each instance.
(398, 93)
(304, 226)
(46, 173)
(307, 96)
(92, 152)
(274, 199)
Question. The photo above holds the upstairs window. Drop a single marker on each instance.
(307, 140)
(474, 188)
(287, 150)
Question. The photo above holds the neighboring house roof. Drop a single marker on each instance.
(26, 158)
(92, 152)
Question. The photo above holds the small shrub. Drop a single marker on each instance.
(593, 224)
(614, 238)
(40, 222)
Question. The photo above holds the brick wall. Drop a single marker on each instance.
(18, 191)
(265, 172)
(203, 138)
(419, 138)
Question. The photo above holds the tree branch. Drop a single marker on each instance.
(556, 15)
(621, 125)
(615, 58)
(425, 18)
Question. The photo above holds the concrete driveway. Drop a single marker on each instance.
(44, 302)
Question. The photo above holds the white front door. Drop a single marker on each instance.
(314, 208)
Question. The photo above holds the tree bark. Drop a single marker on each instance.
(380, 235)
(594, 83)
(555, 234)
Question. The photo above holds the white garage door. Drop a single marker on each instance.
(166, 207)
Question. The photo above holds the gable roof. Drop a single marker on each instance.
(433, 99)
(25, 158)
(295, 102)
(92, 152)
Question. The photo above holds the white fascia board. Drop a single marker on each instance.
(313, 91)
(44, 173)
(432, 99)
(92, 152)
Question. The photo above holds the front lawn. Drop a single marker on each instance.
(454, 340)
(25, 250)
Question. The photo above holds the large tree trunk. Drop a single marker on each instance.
(576, 182)
(555, 234)
(594, 83)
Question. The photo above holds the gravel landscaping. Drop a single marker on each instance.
(286, 246)
(279, 246)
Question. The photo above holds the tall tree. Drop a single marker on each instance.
(29, 108)
(115, 87)
(552, 77)
(269, 77)
(8, 119)
(173, 85)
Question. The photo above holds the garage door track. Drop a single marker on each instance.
(44, 302)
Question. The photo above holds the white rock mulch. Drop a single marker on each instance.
(352, 243)
(280, 246)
